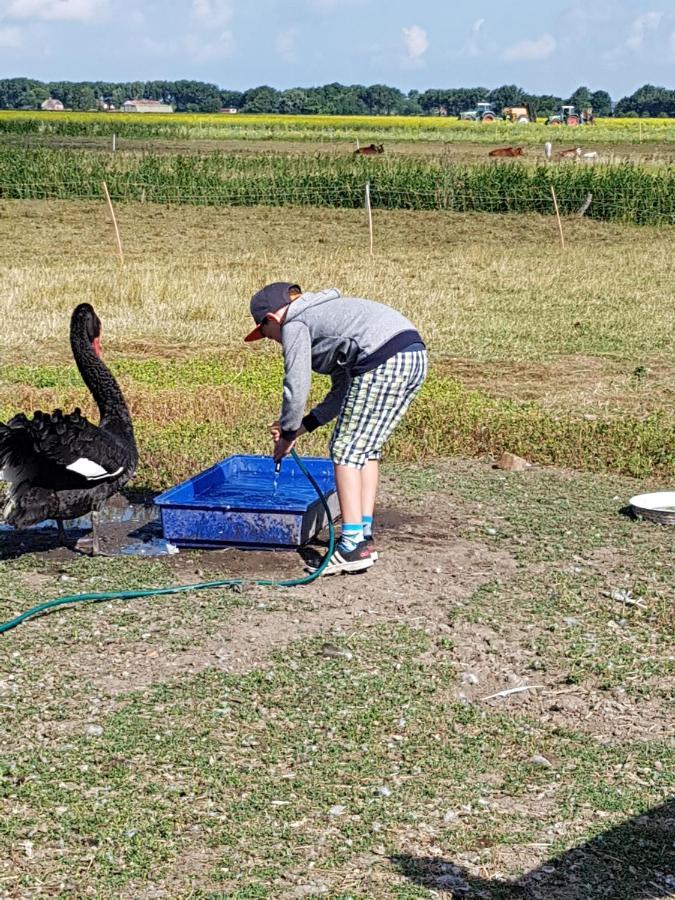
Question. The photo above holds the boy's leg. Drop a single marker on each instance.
(351, 554)
(349, 483)
(370, 482)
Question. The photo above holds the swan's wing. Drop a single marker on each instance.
(67, 444)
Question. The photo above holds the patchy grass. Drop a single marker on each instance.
(188, 414)
(155, 751)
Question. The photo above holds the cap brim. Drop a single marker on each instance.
(255, 335)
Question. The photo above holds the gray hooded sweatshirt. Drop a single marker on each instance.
(338, 336)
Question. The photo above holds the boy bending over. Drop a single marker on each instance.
(377, 363)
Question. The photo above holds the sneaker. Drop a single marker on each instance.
(357, 560)
(374, 555)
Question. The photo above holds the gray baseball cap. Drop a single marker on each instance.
(267, 301)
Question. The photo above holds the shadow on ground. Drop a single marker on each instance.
(634, 861)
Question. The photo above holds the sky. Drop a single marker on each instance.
(614, 45)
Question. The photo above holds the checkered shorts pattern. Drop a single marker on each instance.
(375, 404)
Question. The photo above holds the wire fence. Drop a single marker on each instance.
(657, 208)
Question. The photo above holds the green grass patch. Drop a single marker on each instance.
(446, 420)
(316, 756)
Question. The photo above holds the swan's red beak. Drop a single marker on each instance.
(96, 345)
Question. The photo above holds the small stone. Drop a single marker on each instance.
(449, 817)
(469, 678)
(384, 791)
(539, 760)
(337, 810)
(512, 463)
(334, 652)
(94, 730)
(491, 530)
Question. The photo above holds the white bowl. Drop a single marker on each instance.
(658, 507)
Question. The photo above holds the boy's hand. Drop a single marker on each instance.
(275, 430)
(282, 448)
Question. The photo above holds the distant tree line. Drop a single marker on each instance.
(329, 99)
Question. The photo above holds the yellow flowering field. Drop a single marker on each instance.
(320, 127)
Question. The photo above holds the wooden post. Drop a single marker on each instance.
(357, 144)
(370, 216)
(112, 213)
(557, 212)
(114, 142)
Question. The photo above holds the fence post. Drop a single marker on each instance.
(114, 142)
(112, 213)
(557, 213)
(370, 216)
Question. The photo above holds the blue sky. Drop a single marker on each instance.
(544, 47)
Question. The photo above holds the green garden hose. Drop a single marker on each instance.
(180, 589)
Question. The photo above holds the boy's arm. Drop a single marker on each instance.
(331, 403)
(297, 348)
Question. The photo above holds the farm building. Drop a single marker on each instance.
(152, 106)
(52, 105)
(229, 110)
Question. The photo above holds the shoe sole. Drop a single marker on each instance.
(350, 568)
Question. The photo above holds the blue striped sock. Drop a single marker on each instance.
(367, 524)
(351, 536)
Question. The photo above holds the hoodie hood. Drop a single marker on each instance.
(308, 299)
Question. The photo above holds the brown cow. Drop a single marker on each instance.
(370, 149)
(568, 154)
(506, 151)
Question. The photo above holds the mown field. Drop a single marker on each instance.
(585, 382)
(349, 739)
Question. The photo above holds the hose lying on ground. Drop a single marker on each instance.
(181, 589)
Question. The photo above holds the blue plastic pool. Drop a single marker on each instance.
(241, 502)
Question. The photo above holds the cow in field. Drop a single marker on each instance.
(569, 154)
(370, 150)
(506, 151)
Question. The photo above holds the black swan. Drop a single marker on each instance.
(62, 466)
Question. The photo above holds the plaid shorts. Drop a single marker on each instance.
(375, 404)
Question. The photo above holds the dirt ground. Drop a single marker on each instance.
(425, 577)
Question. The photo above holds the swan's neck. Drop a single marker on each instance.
(102, 385)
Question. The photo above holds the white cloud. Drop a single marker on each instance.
(540, 48)
(416, 42)
(648, 21)
(195, 48)
(10, 37)
(286, 44)
(472, 48)
(56, 10)
(214, 13)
